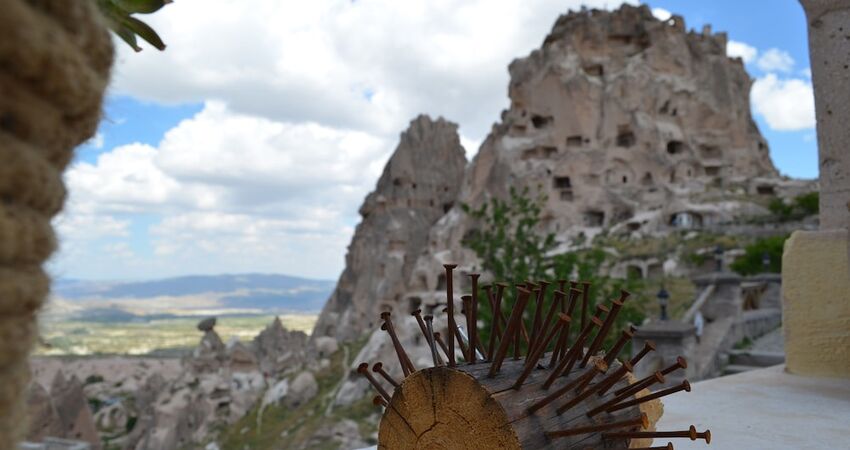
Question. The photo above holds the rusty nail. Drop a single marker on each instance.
(450, 308)
(531, 361)
(441, 343)
(691, 433)
(648, 346)
(625, 337)
(584, 299)
(685, 386)
(511, 329)
(566, 364)
(612, 379)
(379, 401)
(363, 369)
(379, 368)
(406, 364)
(599, 366)
(429, 329)
(473, 323)
(561, 391)
(626, 392)
(679, 364)
(642, 421)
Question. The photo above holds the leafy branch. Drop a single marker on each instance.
(119, 18)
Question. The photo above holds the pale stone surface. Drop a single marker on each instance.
(829, 28)
(72, 409)
(325, 346)
(628, 124)
(301, 390)
(816, 303)
(762, 409)
(279, 350)
(418, 185)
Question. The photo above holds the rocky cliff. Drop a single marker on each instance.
(419, 184)
(625, 121)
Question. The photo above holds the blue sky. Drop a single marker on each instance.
(249, 144)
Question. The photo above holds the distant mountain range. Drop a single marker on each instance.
(190, 295)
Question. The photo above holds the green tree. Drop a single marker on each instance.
(511, 248)
(752, 261)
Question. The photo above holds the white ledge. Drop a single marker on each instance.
(762, 409)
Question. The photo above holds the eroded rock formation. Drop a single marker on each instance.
(419, 184)
(626, 122)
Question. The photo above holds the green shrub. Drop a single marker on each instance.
(750, 263)
(808, 203)
(780, 209)
(92, 379)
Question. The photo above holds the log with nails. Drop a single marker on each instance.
(562, 392)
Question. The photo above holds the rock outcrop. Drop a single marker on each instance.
(625, 122)
(72, 408)
(278, 350)
(418, 186)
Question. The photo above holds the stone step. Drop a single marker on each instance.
(755, 358)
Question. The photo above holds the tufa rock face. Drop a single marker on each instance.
(620, 112)
(72, 409)
(624, 121)
(278, 350)
(419, 184)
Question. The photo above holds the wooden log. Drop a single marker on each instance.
(463, 408)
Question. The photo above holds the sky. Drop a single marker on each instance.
(250, 143)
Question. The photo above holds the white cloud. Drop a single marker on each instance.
(661, 13)
(96, 141)
(735, 49)
(365, 65)
(304, 102)
(775, 60)
(229, 190)
(785, 104)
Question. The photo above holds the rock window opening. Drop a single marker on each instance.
(594, 218)
(765, 190)
(625, 179)
(686, 220)
(594, 70)
(665, 108)
(712, 171)
(634, 273)
(441, 282)
(413, 304)
(447, 207)
(413, 186)
(710, 151)
(562, 183)
(574, 141)
(396, 181)
(675, 147)
(540, 121)
(625, 137)
(647, 179)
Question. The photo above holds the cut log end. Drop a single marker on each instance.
(445, 408)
